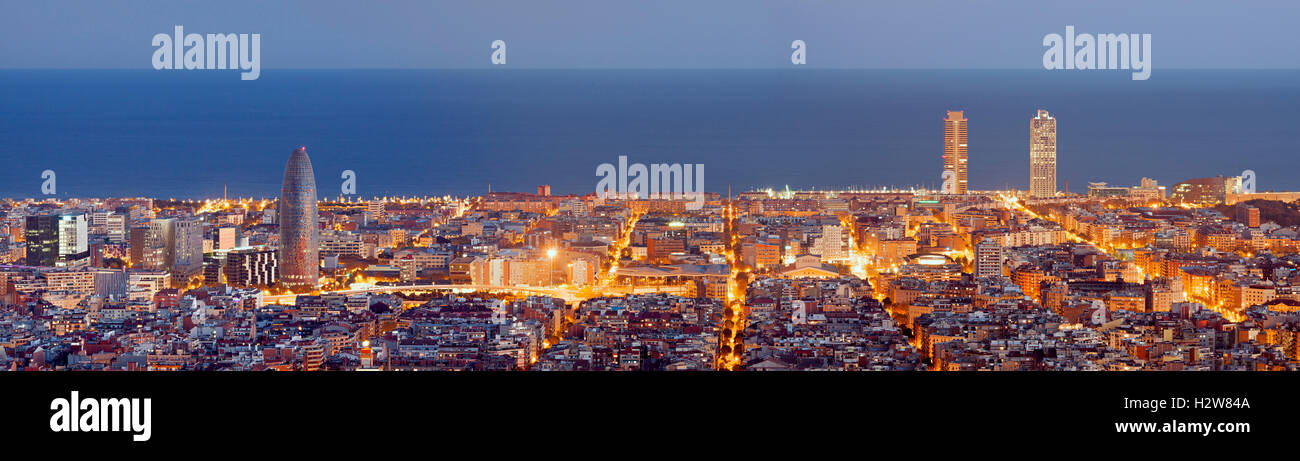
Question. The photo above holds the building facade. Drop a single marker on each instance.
(42, 236)
(252, 266)
(1042, 155)
(954, 149)
(299, 247)
(988, 258)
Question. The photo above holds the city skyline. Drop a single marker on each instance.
(897, 253)
(552, 275)
(501, 194)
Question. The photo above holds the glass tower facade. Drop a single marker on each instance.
(42, 235)
(299, 266)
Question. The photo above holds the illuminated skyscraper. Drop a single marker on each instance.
(73, 233)
(298, 262)
(954, 149)
(1042, 155)
(42, 234)
(156, 245)
(187, 247)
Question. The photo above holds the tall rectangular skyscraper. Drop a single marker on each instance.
(187, 247)
(954, 150)
(42, 235)
(157, 244)
(73, 239)
(1042, 155)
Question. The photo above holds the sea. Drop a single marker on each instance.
(199, 134)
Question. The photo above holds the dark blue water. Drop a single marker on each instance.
(186, 134)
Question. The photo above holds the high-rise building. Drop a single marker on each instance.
(74, 239)
(57, 240)
(187, 247)
(136, 242)
(115, 226)
(954, 149)
(298, 262)
(156, 245)
(42, 235)
(988, 258)
(99, 221)
(1042, 155)
(253, 266)
(169, 244)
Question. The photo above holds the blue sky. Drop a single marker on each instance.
(918, 34)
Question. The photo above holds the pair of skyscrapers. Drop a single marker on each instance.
(1042, 154)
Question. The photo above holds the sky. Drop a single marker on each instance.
(914, 34)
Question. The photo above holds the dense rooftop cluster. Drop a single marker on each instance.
(833, 280)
